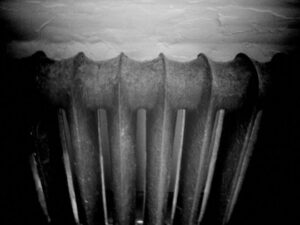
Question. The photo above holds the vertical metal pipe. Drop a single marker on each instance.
(66, 148)
(38, 186)
(102, 172)
(141, 164)
(198, 135)
(215, 143)
(141, 149)
(161, 131)
(180, 137)
(240, 171)
(105, 149)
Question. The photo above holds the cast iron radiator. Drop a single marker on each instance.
(201, 120)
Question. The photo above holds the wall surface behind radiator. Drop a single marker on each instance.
(144, 28)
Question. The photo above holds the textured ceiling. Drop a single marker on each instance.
(142, 29)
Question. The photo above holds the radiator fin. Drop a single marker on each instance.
(199, 126)
(85, 162)
(239, 175)
(160, 126)
(122, 138)
(177, 159)
(215, 143)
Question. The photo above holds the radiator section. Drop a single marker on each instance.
(150, 142)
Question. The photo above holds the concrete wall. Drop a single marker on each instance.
(144, 28)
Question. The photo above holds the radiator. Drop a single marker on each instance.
(200, 121)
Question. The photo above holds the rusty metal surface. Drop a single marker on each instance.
(122, 135)
(85, 162)
(210, 158)
(161, 124)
